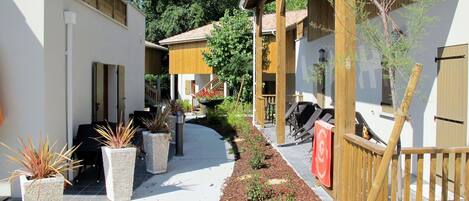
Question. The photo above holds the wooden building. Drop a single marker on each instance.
(154, 55)
(190, 73)
(434, 131)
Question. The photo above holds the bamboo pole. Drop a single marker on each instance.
(400, 118)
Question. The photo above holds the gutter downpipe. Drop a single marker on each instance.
(241, 6)
(70, 20)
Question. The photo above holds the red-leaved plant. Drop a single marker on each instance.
(206, 94)
(42, 161)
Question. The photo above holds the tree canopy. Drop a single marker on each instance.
(230, 52)
(165, 18)
(290, 5)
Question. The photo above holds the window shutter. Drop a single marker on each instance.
(188, 87)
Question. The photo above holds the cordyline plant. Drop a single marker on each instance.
(120, 138)
(42, 161)
(159, 124)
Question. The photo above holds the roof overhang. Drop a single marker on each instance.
(188, 40)
(155, 46)
(251, 4)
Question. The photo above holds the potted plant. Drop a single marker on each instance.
(118, 159)
(42, 168)
(156, 141)
(209, 98)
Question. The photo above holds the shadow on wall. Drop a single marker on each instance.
(368, 73)
(21, 77)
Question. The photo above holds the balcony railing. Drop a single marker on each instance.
(115, 9)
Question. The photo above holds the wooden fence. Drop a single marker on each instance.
(449, 168)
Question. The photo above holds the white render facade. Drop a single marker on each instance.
(450, 29)
(33, 68)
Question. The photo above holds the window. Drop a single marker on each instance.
(386, 95)
(115, 9)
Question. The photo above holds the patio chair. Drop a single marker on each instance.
(289, 119)
(89, 151)
(361, 123)
(309, 133)
(309, 124)
(304, 112)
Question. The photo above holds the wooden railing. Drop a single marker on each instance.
(449, 167)
(151, 94)
(267, 106)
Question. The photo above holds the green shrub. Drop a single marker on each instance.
(257, 190)
(215, 116)
(257, 160)
(185, 104)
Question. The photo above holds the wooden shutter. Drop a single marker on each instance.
(187, 87)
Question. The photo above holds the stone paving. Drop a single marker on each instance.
(198, 175)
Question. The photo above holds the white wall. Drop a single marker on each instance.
(32, 67)
(200, 81)
(21, 74)
(450, 29)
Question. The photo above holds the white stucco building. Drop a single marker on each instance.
(47, 52)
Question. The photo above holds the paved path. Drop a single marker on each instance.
(198, 175)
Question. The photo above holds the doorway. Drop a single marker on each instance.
(108, 100)
(451, 115)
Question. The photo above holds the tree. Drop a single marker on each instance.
(165, 18)
(230, 52)
(387, 38)
(290, 5)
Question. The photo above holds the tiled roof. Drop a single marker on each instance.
(268, 25)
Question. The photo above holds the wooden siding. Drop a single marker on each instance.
(270, 62)
(321, 16)
(187, 58)
(115, 9)
(153, 60)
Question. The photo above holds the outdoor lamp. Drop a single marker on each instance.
(322, 56)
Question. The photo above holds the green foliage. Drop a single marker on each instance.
(257, 160)
(388, 40)
(230, 51)
(165, 18)
(163, 78)
(257, 190)
(290, 5)
(215, 116)
(185, 104)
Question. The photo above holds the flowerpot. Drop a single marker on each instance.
(42, 189)
(157, 149)
(172, 127)
(119, 165)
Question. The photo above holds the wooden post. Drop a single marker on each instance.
(280, 89)
(399, 120)
(345, 46)
(258, 71)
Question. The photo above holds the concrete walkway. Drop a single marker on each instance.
(198, 175)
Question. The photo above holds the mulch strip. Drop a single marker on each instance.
(276, 168)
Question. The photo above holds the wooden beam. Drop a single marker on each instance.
(258, 71)
(345, 47)
(280, 89)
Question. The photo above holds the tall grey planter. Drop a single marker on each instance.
(47, 189)
(157, 149)
(119, 165)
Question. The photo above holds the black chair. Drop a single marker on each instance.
(361, 123)
(89, 151)
(309, 133)
(138, 117)
(309, 124)
(304, 112)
